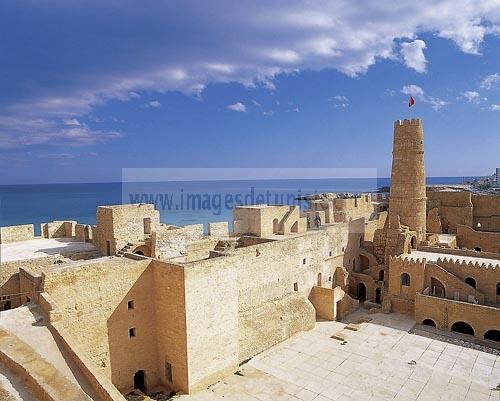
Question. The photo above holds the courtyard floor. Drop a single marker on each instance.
(40, 248)
(379, 361)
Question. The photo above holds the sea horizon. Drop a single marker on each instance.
(179, 202)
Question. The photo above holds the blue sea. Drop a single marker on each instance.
(180, 203)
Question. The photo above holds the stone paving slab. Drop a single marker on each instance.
(375, 364)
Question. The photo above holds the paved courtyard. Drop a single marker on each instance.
(40, 248)
(379, 361)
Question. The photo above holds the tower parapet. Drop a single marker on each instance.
(408, 191)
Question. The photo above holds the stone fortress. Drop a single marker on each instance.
(135, 303)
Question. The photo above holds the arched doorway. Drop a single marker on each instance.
(429, 322)
(139, 382)
(471, 282)
(413, 242)
(142, 250)
(378, 295)
(275, 226)
(381, 275)
(437, 288)
(493, 335)
(364, 262)
(361, 292)
(462, 327)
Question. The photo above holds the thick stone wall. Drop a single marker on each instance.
(486, 277)
(212, 321)
(453, 208)
(446, 312)
(94, 299)
(58, 229)
(170, 312)
(124, 224)
(402, 297)
(174, 242)
(274, 279)
(10, 282)
(471, 239)
(10, 234)
(266, 220)
(486, 211)
(218, 229)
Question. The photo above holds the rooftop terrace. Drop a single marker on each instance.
(434, 256)
(42, 247)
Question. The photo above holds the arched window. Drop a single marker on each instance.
(492, 335)
(471, 282)
(413, 243)
(381, 275)
(405, 279)
(462, 327)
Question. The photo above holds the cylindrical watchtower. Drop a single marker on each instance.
(408, 196)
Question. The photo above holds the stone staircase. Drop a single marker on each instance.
(131, 245)
(41, 377)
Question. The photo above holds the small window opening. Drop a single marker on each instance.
(168, 372)
(295, 286)
(304, 261)
(131, 332)
(130, 304)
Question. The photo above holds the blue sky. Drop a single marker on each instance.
(91, 87)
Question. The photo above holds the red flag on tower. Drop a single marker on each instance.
(411, 101)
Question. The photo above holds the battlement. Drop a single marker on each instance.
(407, 260)
(413, 121)
(451, 261)
(445, 262)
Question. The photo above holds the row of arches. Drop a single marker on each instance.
(466, 328)
(437, 287)
(361, 293)
(472, 282)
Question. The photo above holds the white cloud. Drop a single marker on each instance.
(419, 95)
(71, 121)
(495, 107)
(283, 56)
(154, 103)
(238, 106)
(19, 133)
(413, 55)
(491, 81)
(265, 40)
(473, 97)
(340, 101)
